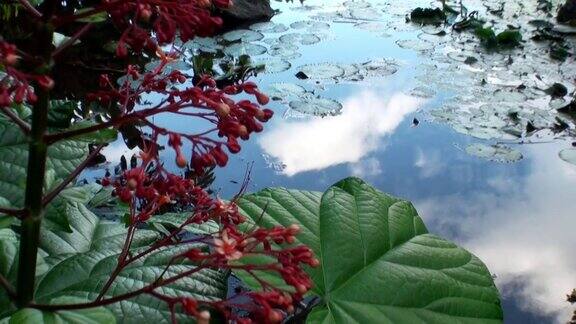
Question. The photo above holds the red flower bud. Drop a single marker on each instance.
(249, 87)
(45, 82)
(219, 155)
(262, 98)
(181, 160)
(233, 145)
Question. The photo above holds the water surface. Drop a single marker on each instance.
(517, 217)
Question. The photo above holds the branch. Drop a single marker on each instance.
(53, 138)
(112, 300)
(28, 6)
(24, 126)
(13, 212)
(8, 287)
(121, 262)
(52, 194)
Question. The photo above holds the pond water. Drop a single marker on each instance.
(396, 104)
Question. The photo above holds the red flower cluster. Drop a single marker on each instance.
(189, 18)
(232, 120)
(149, 186)
(14, 84)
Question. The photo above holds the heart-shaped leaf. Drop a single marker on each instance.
(378, 262)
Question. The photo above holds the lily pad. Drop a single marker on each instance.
(316, 106)
(322, 71)
(415, 44)
(310, 25)
(243, 35)
(249, 49)
(497, 153)
(273, 65)
(568, 155)
(268, 27)
(203, 44)
(283, 90)
(297, 38)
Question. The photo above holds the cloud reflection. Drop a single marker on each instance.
(523, 231)
(320, 143)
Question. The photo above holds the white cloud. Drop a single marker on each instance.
(430, 162)
(524, 234)
(366, 168)
(320, 143)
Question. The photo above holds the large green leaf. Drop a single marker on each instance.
(83, 316)
(82, 261)
(9, 246)
(378, 262)
(63, 158)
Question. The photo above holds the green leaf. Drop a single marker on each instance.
(102, 136)
(82, 261)
(63, 158)
(9, 246)
(61, 113)
(175, 220)
(378, 262)
(509, 38)
(95, 18)
(35, 316)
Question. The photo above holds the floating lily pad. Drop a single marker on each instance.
(356, 4)
(568, 155)
(364, 14)
(422, 92)
(268, 27)
(496, 153)
(322, 71)
(297, 38)
(244, 35)
(203, 44)
(283, 90)
(315, 106)
(273, 65)
(415, 44)
(378, 68)
(310, 25)
(250, 49)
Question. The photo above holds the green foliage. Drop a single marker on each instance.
(428, 16)
(78, 264)
(379, 264)
(506, 39)
(63, 157)
(34, 316)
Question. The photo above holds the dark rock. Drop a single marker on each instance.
(567, 12)
(557, 90)
(301, 75)
(470, 60)
(245, 12)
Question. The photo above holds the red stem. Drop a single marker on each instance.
(52, 194)
(28, 6)
(12, 212)
(108, 301)
(10, 290)
(24, 126)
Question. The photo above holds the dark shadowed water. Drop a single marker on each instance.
(513, 207)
